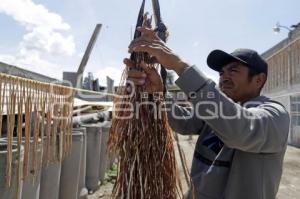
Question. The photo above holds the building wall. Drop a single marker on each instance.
(283, 82)
(284, 68)
(16, 71)
(295, 63)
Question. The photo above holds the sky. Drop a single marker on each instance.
(50, 36)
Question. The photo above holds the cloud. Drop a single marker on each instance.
(113, 72)
(46, 35)
(33, 63)
(32, 15)
(44, 40)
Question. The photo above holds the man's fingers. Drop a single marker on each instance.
(129, 62)
(148, 69)
(152, 50)
(154, 79)
(146, 31)
(145, 40)
(136, 81)
(136, 74)
(140, 41)
(153, 60)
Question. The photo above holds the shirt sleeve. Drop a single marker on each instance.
(182, 119)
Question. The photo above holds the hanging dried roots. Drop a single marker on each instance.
(43, 107)
(143, 141)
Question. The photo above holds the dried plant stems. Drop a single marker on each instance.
(143, 142)
(67, 124)
(48, 131)
(28, 111)
(2, 97)
(36, 127)
(61, 131)
(46, 109)
(147, 167)
(54, 130)
(19, 134)
(42, 131)
(11, 103)
(183, 161)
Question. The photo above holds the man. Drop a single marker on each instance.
(242, 135)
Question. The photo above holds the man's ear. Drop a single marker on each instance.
(260, 79)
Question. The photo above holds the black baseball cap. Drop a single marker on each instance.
(218, 58)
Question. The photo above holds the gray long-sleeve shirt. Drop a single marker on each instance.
(240, 149)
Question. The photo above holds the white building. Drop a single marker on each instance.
(283, 82)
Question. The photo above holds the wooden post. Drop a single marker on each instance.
(88, 52)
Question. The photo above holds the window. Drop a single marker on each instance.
(295, 110)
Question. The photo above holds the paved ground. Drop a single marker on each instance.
(290, 181)
(289, 187)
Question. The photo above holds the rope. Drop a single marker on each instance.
(56, 85)
(162, 34)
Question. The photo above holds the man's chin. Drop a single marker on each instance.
(228, 92)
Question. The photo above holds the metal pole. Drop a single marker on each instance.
(88, 52)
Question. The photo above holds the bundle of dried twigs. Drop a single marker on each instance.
(142, 139)
(44, 110)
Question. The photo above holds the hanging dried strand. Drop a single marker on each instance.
(162, 33)
(64, 128)
(19, 133)
(67, 108)
(60, 126)
(70, 104)
(2, 97)
(54, 156)
(43, 125)
(184, 162)
(28, 111)
(11, 104)
(46, 109)
(48, 130)
(144, 143)
(35, 132)
(69, 121)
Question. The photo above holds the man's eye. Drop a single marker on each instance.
(221, 73)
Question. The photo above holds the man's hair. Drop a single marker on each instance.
(252, 73)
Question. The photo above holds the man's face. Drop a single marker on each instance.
(235, 83)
